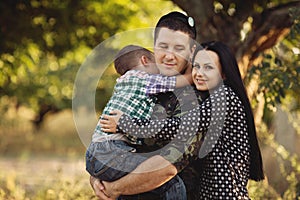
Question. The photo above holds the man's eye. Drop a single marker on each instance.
(179, 49)
(163, 46)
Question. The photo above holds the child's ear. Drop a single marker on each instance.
(144, 60)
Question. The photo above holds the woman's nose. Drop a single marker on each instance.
(199, 71)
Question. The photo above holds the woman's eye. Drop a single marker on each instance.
(208, 67)
(197, 66)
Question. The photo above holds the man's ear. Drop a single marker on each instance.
(193, 48)
(192, 52)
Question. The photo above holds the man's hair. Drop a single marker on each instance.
(176, 21)
(128, 57)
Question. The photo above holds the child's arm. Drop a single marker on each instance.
(157, 83)
(184, 79)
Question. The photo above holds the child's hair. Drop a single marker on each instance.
(128, 58)
(176, 21)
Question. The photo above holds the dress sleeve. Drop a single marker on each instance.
(157, 83)
(191, 135)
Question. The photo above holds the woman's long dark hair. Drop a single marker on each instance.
(233, 79)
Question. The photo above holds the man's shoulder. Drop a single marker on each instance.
(180, 100)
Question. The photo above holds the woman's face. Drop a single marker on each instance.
(207, 70)
(172, 51)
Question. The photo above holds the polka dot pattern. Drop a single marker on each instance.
(224, 150)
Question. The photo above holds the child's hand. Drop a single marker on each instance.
(188, 74)
(109, 123)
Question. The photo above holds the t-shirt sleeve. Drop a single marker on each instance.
(157, 83)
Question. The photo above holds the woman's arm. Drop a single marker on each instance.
(208, 118)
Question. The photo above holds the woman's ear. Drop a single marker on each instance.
(223, 76)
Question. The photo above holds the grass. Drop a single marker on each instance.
(48, 164)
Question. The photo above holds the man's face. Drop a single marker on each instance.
(172, 51)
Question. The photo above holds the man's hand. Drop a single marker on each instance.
(98, 188)
(109, 123)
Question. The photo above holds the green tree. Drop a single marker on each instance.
(44, 43)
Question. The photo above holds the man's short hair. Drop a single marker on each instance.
(176, 21)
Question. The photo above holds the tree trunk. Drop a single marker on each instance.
(218, 23)
(224, 22)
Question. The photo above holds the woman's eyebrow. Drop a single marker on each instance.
(206, 63)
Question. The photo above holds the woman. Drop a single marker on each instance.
(221, 131)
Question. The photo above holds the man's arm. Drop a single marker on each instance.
(149, 175)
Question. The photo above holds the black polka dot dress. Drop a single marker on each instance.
(216, 132)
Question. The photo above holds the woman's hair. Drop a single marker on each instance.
(233, 79)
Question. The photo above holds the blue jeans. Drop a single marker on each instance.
(172, 190)
(113, 159)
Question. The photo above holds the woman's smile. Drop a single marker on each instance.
(207, 72)
(200, 81)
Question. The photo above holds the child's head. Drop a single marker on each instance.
(130, 56)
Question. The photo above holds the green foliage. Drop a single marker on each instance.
(279, 70)
(60, 187)
(44, 43)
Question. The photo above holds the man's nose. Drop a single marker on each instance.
(170, 54)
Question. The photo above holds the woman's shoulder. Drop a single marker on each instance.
(232, 96)
(224, 90)
(229, 91)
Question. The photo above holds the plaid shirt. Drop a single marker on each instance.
(132, 95)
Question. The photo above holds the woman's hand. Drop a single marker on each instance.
(109, 123)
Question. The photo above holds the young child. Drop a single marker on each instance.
(109, 157)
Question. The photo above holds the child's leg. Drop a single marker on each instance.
(176, 191)
(172, 190)
(111, 160)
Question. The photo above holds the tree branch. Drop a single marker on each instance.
(267, 29)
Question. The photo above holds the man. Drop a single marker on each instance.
(173, 44)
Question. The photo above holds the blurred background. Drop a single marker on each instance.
(44, 42)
